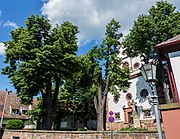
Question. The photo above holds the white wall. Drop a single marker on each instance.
(137, 84)
(175, 64)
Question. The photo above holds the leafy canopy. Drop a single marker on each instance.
(38, 54)
(161, 24)
(107, 60)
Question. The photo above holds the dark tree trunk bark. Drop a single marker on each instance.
(85, 114)
(54, 103)
(100, 119)
(47, 118)
(100, 103)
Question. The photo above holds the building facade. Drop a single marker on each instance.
(132, 108)
(169, 52)
(13, 109)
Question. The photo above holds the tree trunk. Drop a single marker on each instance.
(100, 119)
(85, 114)
(47, 118)
(100, 103)
(56, 123)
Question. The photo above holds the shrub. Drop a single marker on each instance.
(133, 129)
(14, 124)
(82, 129)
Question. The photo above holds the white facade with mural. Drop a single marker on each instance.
(135, 100)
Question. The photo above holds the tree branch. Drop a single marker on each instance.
(106, 88)
(56, 91)
(96, 104)
(100, 88)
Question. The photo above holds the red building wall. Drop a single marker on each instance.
(171, 121)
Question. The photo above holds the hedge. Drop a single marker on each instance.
(14, 124)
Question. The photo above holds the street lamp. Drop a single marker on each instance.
(148, 70)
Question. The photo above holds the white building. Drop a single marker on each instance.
(133, 102)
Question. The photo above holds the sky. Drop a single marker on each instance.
(91, 16)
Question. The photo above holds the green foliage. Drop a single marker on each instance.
(76, 94)
(40, 56)
(14, 124)
(81, 129)
(106, 57)
(109, 74)
(161, 24)
(39, 53)
(133, 129)
(37, 113)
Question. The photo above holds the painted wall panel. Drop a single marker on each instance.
(175, 64)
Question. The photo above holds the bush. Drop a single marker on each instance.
(133, 129)
(82, 129)
(14, 124)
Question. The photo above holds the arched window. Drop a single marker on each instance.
(144, 93)
(136, 65)
(128, 96)
(116, 99)
(123, 53)
(126, 64)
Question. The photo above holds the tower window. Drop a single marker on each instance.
(136, 65)
(117, 116)
(144, 93)
(128, 96)
(116, 99)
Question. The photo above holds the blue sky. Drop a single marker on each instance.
(90, 16)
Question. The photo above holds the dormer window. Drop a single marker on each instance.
(24, 111)
(15, 111)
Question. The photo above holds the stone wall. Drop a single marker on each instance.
(34, 134)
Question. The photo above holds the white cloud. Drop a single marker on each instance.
(2, 48)
(10, 24)
(91, 16)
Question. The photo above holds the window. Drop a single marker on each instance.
(144, 93)
(128, 96)
(147, 113)
(116, 99)
(126, 64)
(136, 65)
(15, 111)
(117, 116)
(24, 111)
(123, 53)
(16, 137)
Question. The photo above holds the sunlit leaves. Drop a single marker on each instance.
(39, 53)
(161, 24)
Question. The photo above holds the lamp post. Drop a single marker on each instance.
(148, 70)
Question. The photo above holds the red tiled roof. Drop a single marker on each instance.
(12, 102)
